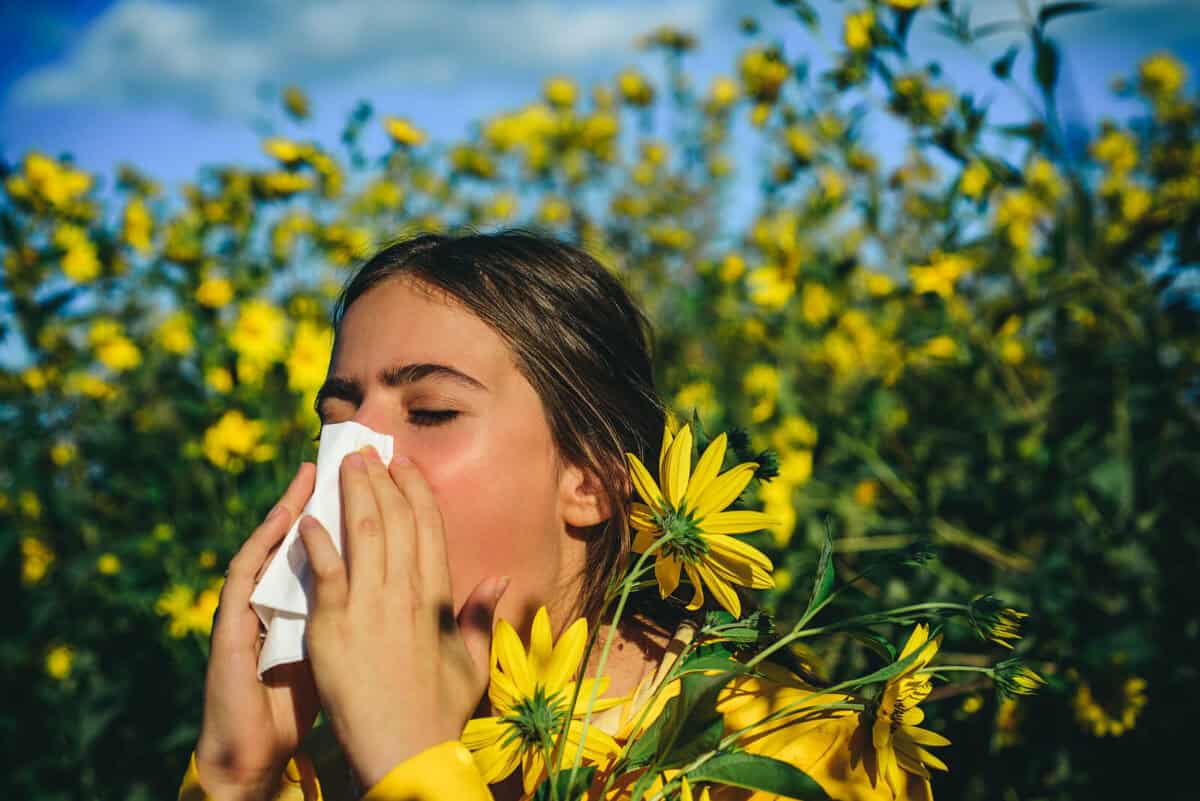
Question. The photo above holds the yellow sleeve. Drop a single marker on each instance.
(446, 770)
(298, 783)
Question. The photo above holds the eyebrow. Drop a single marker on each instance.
(349, 389)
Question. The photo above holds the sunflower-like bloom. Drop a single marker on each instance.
(688, 505)
(899, 743)
(531, 694)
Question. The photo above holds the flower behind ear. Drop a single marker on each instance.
(689, 507)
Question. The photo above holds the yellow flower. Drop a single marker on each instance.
(560, 92)
(295, 102)
(634, 89)
(1161, 75)
(285, 150)
(795, 467)
(732, 267)
(81, 261)
(282, 184)
(219, 379)
(777, 503)
(856, 31)
(722, 93)
(260, 332)
(1118, 150)
(974, 179)
(761, 383)
(700, 396)
(403, 132)
(685, 792)
(63, 453)
(940, 347)
(175, 334)
(136, 226)
(36, 558)
(816, 303)
(941, 274)
(214, 292)
(866, 491)
(234, 438)
(108, 564)
(119, 354)
(59, 661)
(1116, 711)
(55, 183)
(906, 4)
(309, 358)
(530, 693)
(186, 611)
(688, 506)
(770, 288)
(899, 743)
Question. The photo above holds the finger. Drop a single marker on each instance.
(399, 522)
(246, 564)
(430, 536)
(329, 574)
(476, 617)
(361, 524)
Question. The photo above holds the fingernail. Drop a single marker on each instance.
(369, 452)
(274, 513)
(355, 460)
(503, 585)
(401, 459)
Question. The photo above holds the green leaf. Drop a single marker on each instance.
(876, 642)
(1045, 63)
(755, 772)
(823, 583)
(1002, 67)
(693, 708)
(1059, 9)
(567, 790)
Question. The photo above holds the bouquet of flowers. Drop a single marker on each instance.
(721, 714)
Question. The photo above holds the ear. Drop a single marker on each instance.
(582, 498)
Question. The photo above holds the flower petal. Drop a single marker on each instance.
(730, 550)
(926, 737)
(724, 489)
(707, 468)
(644, 539)
(666, 570)
(532, 768)
(497, 762)
(567, 655)
(512, 657)
(541, 644)
(599, 744)
(668, 437)
(643, 483)
(481, 732)
(737, 522)
(678, 467)
(698, 596)
(722, 591)
(641, 517)
(502, 693)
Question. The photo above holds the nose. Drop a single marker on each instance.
(373, 414)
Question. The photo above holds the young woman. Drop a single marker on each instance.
(513, 373)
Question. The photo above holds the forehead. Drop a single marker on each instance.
(405, 321)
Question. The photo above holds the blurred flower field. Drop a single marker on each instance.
(990, 351)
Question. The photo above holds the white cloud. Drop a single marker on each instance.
(209, 57)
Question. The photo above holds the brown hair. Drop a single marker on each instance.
(578, 338)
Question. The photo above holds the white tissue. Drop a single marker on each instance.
(283, 593)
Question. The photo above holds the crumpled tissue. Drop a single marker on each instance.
(283, 594)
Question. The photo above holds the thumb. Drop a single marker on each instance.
(476, 617)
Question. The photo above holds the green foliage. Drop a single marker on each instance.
(990, 348)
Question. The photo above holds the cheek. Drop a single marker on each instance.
(499, 514)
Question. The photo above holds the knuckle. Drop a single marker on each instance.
(369, 526)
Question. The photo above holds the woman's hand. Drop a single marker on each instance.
(395, 671)
(251, 728)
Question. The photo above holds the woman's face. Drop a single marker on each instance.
(413, 364)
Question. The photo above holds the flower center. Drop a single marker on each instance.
(536, 720)
(685, 543)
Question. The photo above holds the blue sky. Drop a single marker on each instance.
(174, 85)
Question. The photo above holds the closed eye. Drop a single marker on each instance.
(422, 417)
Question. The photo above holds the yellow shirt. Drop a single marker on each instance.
(832, 747)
